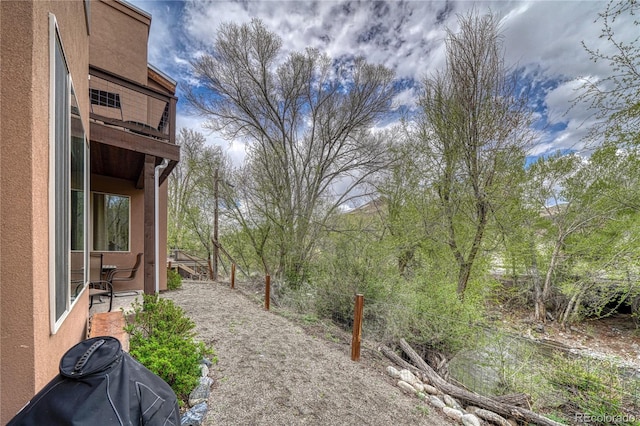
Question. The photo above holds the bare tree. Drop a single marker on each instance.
(306, 119)
(190, 193)
(615, 98)
(182, 183)
(474, 128)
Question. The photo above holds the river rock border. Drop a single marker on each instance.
(198, 398)
(469, 416)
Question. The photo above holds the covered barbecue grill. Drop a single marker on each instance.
(100, 384)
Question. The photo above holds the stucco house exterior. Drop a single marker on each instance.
(87, 140)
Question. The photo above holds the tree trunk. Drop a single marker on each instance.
(465, 267)
(535, 273)
(507, 410)
(541, 300)
(463, 278)
(572, 308)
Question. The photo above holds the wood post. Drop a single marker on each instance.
(357, 328)
(233, 275)
(267, 292)
(215, 226)
(149, 247)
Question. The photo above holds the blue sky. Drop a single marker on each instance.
(542, 38)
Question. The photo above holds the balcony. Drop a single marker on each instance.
(140, 109)
(129, 122)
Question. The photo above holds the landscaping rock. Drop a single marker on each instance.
(452, 402)
(430, 389)
(195, 416)
(453, 413)
(408, 377)
(418, 386)
(470, 420)
(393, 372)
(490, 416)
(201, 392)
(204, 370)
(406, 387)
(436, 402)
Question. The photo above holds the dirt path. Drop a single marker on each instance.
(271, 372)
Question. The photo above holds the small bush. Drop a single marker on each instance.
(174, 280)
(162, 339)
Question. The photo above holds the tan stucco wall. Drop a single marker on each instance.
(29, 353)
(114, 26)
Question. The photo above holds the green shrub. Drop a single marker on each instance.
(162, 339)
(432, 316)
(351, 266)
(174, 279)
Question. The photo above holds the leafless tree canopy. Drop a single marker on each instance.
(614, 99)
(306, 119)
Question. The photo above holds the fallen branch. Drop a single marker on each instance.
(402, 363)
(517, 399)
(484, 402)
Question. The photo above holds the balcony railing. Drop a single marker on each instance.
(122, 103)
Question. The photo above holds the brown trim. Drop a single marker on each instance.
(167, 171)
(154, 76)
(133, 142)
(145, 130)
(130, 84)
(149, 224)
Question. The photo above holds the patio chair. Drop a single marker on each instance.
(98, 286)
(125, 274)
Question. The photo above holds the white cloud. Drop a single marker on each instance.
(407, 97)
(544, 37)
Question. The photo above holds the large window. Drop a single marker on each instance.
(110, 222)
(67, 189)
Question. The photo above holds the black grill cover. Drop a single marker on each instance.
(99, 384)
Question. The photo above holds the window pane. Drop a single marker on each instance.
(77, 189)
(62, 136)
(78, 177)
(110, 222)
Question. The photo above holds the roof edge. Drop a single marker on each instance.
(169, 83)
(135, 8)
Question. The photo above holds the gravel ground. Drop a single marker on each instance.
(272, 371)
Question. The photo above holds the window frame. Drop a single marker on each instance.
(93, 224)
(60, 185)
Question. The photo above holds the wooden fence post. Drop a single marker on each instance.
(267, 292)
(233, 275)
(357, 328)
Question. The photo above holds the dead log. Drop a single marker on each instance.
(517, 399)
(490, 416)
(402, 363)
(484, 402)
